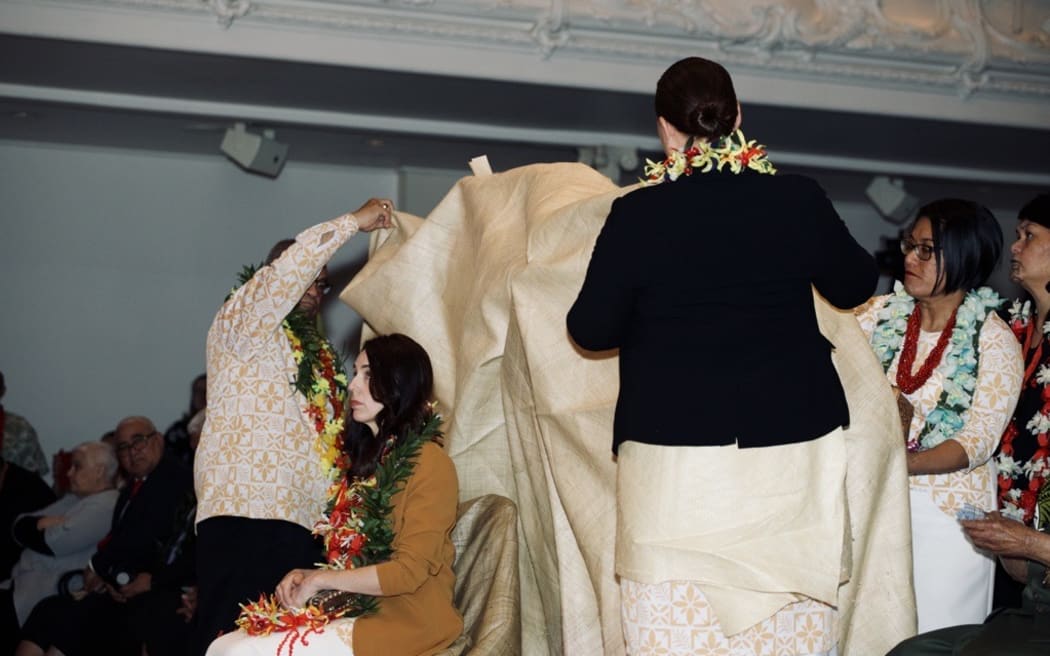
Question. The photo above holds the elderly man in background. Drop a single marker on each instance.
(62, 536)
(276, 396)
(122, 568)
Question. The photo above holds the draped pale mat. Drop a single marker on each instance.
(756, 529)
(484, 284)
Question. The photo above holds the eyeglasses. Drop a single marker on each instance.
(323, 285)
(923, 251)
(135, 444)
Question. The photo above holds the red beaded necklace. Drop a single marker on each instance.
(907, 382)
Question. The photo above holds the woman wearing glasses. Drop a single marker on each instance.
(957, 365)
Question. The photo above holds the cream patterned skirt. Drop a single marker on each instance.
(673, 618)
(724, 550)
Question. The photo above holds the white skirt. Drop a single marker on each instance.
(953, 580)
(336, 638)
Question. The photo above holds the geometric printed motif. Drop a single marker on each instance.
(999, 372)
(257, 456)
(673, 618)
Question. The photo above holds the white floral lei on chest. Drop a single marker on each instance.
(958, 367)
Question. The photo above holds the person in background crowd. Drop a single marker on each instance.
(20, 443)
(176, 438)
(60, 537)
(728, 424)
(957, 370)
(276, 397)
(123, 566)
(21, 491)
(1023, 458)
(1025, 553)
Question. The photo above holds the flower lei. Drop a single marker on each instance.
(1021, 502)
(732, 150)
(356, 528)
(321, 380)
(958, 367)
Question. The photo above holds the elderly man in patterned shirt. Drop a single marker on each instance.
(275, 400)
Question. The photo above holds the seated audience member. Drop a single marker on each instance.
(123, 566)
(63, 460)
(163, 615)
(1023, 458)
(176, 438)
(20, 443)
(21, 491)
(391, 448)
(1025, 554)
(60, 537)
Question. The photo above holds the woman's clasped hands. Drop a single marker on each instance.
(298, 586)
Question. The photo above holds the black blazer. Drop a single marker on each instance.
(143, 522)
(704, 284)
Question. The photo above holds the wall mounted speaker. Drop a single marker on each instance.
(257, 153)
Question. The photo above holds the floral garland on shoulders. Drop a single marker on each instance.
(1022, 501)
(732, 150)
(958, 366)
(320, 378)
(357, 531)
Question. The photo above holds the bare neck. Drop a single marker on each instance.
(937, 310)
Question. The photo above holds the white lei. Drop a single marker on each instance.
(958, 367)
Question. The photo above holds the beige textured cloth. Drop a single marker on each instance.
(484, 285)
(756, 529)
(259, 455)
(487, 585)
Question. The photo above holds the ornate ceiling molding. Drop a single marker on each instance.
(991, 49)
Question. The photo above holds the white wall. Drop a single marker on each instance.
(113, 263)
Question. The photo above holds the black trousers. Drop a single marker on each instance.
(93, 625)
(237, 560)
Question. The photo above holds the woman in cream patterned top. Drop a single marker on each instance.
(957, 364)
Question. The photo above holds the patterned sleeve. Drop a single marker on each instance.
(999, 371)
(866, 314)
(258, 307)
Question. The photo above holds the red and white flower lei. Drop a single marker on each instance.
(1020, 502)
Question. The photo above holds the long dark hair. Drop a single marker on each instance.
(696, 96)
(403, 381)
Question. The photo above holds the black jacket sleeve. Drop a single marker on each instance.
(599, 316)
(846, 274)
(29, 536)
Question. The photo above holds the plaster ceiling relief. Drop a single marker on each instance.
(999, 46)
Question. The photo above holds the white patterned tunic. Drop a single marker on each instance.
(953, 581)
(257, 456)
(999, 374)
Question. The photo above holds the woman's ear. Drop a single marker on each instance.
(670, 137)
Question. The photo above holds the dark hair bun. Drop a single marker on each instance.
(696, 96)
(706, 118)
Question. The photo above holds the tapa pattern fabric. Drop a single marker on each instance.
(258, 456)
(999, 374)
(673, 618)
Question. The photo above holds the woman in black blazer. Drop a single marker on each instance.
(728, 422)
